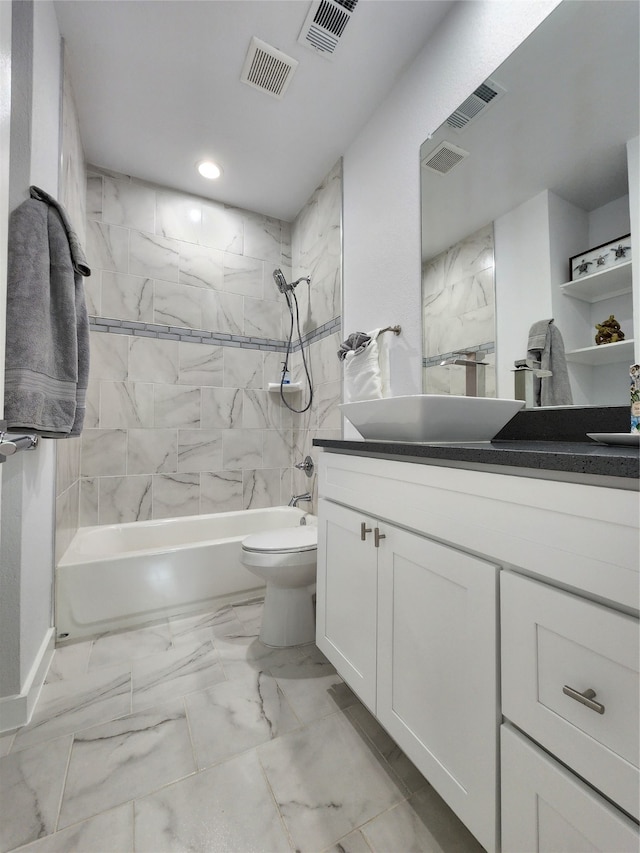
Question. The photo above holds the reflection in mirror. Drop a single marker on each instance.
(530, 172)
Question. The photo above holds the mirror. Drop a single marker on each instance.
(533, 171)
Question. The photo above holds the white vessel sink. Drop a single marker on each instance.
(431, 417)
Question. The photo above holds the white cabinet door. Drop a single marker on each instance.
(556, 647)
(546, 809)
(437, 670)
(346, 600)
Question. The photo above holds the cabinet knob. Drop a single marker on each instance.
(377, 536)
(585, 698)
(364, 530)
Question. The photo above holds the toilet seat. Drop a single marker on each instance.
(287, 540)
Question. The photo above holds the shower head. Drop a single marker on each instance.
(281, 281)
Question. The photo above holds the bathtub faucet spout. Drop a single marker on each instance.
(295, 498)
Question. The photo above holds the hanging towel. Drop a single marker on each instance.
(356, 342)
(47, 339)
(546, 346)
(366, 372)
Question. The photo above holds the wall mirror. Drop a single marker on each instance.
(532, 170)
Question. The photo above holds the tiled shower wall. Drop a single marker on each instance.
(188, 331)
(73, 198)
(458, 306)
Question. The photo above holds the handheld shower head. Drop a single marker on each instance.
(280, 281)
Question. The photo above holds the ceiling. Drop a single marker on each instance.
(157, 86)
(571, 103)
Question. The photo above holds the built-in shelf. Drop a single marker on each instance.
(614, 281)
(288, 388)
(603, 354)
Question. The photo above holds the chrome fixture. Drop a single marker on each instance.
(289, 294)
(281, 281)
(10, 444)
(475, 379)
(527, 375)
(306, 466)
(295, 498)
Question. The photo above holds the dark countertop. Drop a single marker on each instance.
(566, 457)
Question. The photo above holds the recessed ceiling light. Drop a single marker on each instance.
(209, 169)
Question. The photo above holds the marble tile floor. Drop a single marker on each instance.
(193, 736)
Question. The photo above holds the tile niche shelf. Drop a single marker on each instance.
(287, 388)
(602, 354)
(608, 283)
(614, 281)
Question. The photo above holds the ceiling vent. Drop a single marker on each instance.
(488, 93)
(325, 24)
(443, 158)
(267, 68)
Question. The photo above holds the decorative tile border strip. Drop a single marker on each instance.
(202, 336)
(434, 360)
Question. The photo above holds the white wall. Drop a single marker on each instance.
(29, 478)
(633, 160)
(381, 171)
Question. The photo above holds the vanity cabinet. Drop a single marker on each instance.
(347, 597)
(413, 627)
(547, 808)
(410, 624)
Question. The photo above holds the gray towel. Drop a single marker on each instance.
(47, 340)
(356, 342)
(546, 346)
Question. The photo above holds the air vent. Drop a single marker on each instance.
(267, 68)
(443, 158)
(325, 24)
(488, 93)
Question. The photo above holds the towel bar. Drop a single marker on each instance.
(395, 329)
(10, 444)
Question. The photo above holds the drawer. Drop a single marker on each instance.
(553, 641)
(545, 808)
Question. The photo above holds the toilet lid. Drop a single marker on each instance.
(285, 540)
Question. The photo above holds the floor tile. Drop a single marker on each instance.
(236, 715)
(175, 673)
(226, 809)
(312, 686)
(353, 843)
(126, 758)
(112, 831)
(129, 645)
(422, 823)
(68, 706)
(327, 781)
(249, 611)
(31, 784)
(69, 661)
(388, 748)
(6, 741)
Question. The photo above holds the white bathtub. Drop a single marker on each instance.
(125, 575)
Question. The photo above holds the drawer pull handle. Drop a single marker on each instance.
(364, 530)
(585, 698)
(377, 536)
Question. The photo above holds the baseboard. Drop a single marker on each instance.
(16, 710)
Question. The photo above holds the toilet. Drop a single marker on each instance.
(286, 560)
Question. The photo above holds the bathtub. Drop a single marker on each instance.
(120, 576)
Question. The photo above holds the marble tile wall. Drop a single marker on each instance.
(188, 330)
(458, 305)
(73, 198)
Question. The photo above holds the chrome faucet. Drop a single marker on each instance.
(474, 380)
(295, 498)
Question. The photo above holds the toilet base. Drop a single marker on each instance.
(288, 617)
